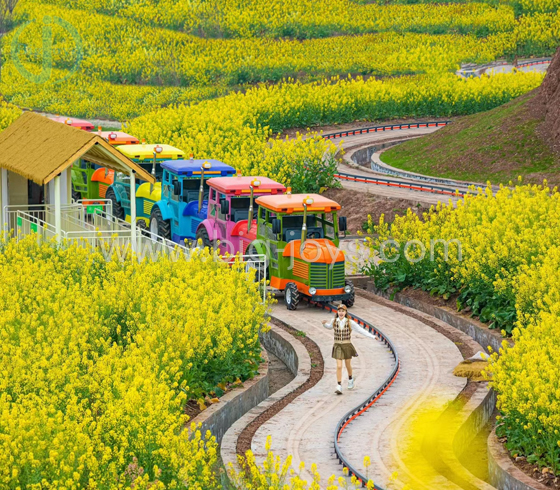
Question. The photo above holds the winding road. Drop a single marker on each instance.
(305, 428)
(352, 142)
(392, 186)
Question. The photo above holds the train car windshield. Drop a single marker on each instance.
(240, 208)
(147, 166)
(291, 228)
(191, 188)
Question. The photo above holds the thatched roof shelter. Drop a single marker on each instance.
(39, 149)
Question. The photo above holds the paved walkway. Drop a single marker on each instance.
(497, 67)
(305, 428)
(540, 68)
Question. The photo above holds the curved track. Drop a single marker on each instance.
(401, 187)
(326, 429)
(396, 187)
(355, 412)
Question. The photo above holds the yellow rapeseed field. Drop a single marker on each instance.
(98, 359)
(8, 113)
(237, 128)
(537, 5)
(184, 51)
(173, 66)
(301, 19)
(147, 54)
(502, 265)
(500, 236)
(275, 474)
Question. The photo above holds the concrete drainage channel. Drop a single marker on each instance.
(283, 342)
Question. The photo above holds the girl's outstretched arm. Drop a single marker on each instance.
(361, 330)
(328, 324)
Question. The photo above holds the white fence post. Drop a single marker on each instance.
(57, 209)
(133, 210)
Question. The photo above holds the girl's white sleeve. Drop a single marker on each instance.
(361, 330)
(329, 324)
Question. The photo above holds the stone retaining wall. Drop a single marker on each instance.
(473, 328)
(378, 166)
(477, 419)
(362, 156)
(281, 346)
(294, 349)
(219, 417)
(503, 473)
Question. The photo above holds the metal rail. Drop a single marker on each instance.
(390, 182)
(403, 185)
(543, 61)
(387, 127)
(370, 401)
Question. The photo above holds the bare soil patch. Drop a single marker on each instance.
(547, 104)
(543, 475)
(192, 409)
(356, 206)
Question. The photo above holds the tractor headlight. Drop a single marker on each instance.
(312, 291)
(347, 289)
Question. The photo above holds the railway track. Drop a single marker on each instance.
(358, 410)
(384, 128)
(432, 189)
(394, 378)
(397, 184)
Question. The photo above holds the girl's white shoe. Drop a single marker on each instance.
(338, 390)
(351, 384)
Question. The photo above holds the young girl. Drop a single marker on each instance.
(343, 348)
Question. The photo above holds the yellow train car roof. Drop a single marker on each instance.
(293, 203)
(146, 152)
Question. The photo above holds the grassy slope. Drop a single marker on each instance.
(497, 145)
